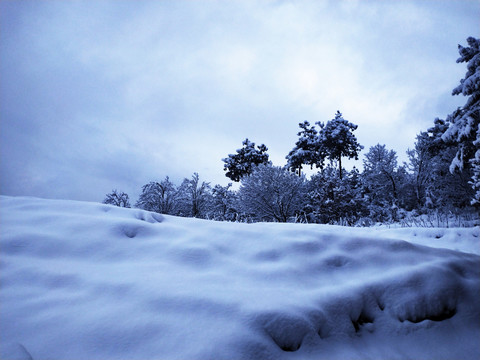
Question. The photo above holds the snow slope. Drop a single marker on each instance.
(92, 281)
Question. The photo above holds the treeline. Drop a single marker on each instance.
(442, 175)
(383, 192)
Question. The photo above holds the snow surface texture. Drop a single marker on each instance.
(92, 281)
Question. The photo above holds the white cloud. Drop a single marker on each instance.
(179, 85)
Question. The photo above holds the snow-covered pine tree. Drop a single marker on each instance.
(476, 173)
(435, 186)
(243, 162)
(464, 123)
(333, 200)
(306, 150)
(336, 140)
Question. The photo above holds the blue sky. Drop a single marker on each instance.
(97, 95)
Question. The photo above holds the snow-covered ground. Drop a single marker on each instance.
(91, 281)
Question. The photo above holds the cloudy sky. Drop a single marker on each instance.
(97, 95)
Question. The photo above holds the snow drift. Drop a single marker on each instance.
(92, 281)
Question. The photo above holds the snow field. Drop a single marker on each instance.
(84, 280)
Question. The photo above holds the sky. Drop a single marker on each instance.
(102, 95)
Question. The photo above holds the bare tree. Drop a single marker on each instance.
(117, 198)
(195, 197)
(161, 197)
(271, 193)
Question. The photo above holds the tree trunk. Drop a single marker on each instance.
(394, 187)
(340, 166)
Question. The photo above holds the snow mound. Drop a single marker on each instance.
(91, 281)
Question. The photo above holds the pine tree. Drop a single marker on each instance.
(476, 175)
(435, 186)
(306, 150)
(336, 140)
(244, 161)
(464, 123)
(333, 200)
